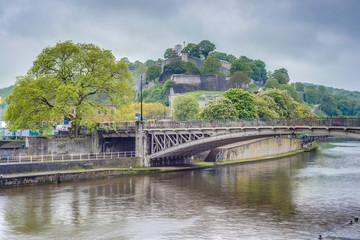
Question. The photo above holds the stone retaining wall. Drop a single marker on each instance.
(58, 177)
(70, 165)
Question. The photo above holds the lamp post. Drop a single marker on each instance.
(141, 111)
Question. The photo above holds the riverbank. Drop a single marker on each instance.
(20, 179)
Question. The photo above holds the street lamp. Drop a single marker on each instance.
(141, 111)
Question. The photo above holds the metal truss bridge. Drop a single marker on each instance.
(171, 140)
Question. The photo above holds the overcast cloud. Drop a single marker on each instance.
(317, 41)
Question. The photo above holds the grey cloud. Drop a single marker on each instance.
(317, 41)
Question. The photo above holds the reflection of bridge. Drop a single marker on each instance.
(171, 142)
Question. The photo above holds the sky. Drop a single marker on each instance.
(317, 41)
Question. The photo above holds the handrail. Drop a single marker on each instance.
(328, 122)
(10, 159)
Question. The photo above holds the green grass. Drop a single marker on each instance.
(196, 94)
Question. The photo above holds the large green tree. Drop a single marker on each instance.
(221, 108)
(69, 80)
(281, 75)
(153, 72)
(193, 50)
(239, 79)
(243, 101)
(212, 65)
(205, 47)
(170, 53)
(186, 108)
(240, 65)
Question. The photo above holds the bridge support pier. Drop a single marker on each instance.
(142, 144)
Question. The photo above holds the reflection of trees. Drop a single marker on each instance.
(256, 187)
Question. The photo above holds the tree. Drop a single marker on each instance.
(154, 110)
(280, 102)
(281, 75)
(193, 50)
(205, 47)
(67, 78)
(175, 67)
(153, 72)
(311, 96)
(191, 68)
(223, 56)
(259, 70)
(243, 101)
(292, 91)
(221, 108)
(185, 107)
(299, 86)
(170, 53)
(239, 80)
(212, 65)
(240, 65)
(271, 83)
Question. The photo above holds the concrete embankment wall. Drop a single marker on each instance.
(58, 177)
(255, 149)
(70, 165)
(63, 145)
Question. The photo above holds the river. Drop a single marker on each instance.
(297, 197)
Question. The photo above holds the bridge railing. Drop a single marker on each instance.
(13, 159)
(344, 122)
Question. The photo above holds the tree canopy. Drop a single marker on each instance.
(70, 80)
(212, 65)
(281, 75)
(243, 101)
(240, 65)
(221, 108)
(205, 47)
(186, 108)
(239, 79)
(153, 72)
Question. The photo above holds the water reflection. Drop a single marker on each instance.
(290, 198)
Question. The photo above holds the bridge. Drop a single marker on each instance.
(175, 142)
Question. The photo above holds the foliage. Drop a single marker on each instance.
(197, 94)
(311, 96)
(223, 56)
(258, 68)
(240, 65)
(186, 108)
(191, 68)
(292, 91)
(271, 83)
(281, 103)
(193, 50)
(243, 101)
(212, 65)
(263, 109)
(167, 85)
(170, 53)
(65, 78)
(299, 86)
(156, 93)
(221, 108)
(150, 111)
(239, 80)
(175, 67)
(281, 75)
(205, 47)
(153, 72)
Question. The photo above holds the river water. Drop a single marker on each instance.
(297, 197)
